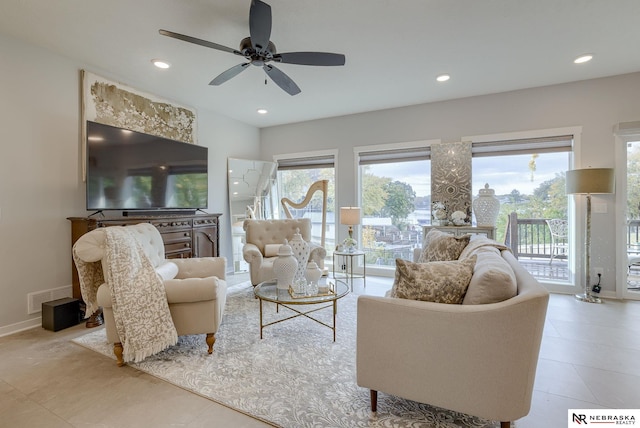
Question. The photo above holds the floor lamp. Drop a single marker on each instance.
(587, 182)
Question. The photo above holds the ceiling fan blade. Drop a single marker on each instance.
(199, 42)
(260, 24)
(310, 58)
(232, 72)
(281, 79)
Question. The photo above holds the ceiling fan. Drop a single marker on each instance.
(260, 51)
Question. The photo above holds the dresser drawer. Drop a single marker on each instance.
(176, 237)
(177, 247)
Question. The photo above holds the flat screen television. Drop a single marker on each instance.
(129, 170)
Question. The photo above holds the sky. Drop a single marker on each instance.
(502, 173)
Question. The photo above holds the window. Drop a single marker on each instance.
(395, 200)
(633, 219)
(528, 177)
(295, 177)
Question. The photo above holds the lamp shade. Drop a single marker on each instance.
(350, 215)
(590, 180)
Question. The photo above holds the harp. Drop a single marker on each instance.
(318, 186)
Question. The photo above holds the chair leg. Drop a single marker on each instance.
(118, 350)
(505, 424)
(374, 400)
(211, 339)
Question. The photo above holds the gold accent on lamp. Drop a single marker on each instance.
(587, 182)
(350, 216)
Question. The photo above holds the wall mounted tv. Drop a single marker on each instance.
(129, 170)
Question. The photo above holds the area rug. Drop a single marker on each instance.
(296, 376)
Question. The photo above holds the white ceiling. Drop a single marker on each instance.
(394, 48)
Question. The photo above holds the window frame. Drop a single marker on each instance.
(394, 152)
(576, 213)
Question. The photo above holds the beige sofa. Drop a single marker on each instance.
(195, 288)
(478, 359)
(263, 238)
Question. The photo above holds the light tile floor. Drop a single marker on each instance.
(590, 358)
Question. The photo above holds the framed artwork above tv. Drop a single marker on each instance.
(111, 103)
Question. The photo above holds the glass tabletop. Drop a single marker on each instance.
(347, 253)
(268, 291)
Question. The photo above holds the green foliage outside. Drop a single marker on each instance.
(383, 197)
(633, 182)
(548, 201)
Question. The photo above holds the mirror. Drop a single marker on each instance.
(252, 194)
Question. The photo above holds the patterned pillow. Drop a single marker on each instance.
(439, 282)
(441, 246)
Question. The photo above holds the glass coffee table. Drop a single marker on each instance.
(267, 292)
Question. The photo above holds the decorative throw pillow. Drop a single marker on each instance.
(167, 270)
(493, 279)
(271, 250)
(441, 246)
(439, 282)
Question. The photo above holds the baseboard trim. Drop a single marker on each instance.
(20, 326)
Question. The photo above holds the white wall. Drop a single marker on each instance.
(595, 105)
(40, 180)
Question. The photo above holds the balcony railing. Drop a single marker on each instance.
(529, 240)
(529, 237)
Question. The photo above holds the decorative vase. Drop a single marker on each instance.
(486, 207)
(313, 273)
(301, 252)
(285, 267)
(439, 214)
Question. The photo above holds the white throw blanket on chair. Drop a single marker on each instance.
(139, 301)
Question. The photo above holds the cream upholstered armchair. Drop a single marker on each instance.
(195, 289)
(263, 239)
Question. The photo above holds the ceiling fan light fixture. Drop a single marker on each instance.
(262, 111)
(583, 58)
(259, 51)
(443, 77)
(160, 63)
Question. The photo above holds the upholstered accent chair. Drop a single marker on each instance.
(195, 288)
(262, 241)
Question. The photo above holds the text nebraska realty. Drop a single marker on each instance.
(605, 419)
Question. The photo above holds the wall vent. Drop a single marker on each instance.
(36, 299)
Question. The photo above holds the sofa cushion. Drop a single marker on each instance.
(439, 282)
(493, 279)
(442, 246)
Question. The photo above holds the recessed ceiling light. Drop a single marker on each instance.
(443, 78)
(160, 63)
(262, 111)
(583, 58)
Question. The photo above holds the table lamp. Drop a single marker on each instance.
(587, 182)
(350, 216)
